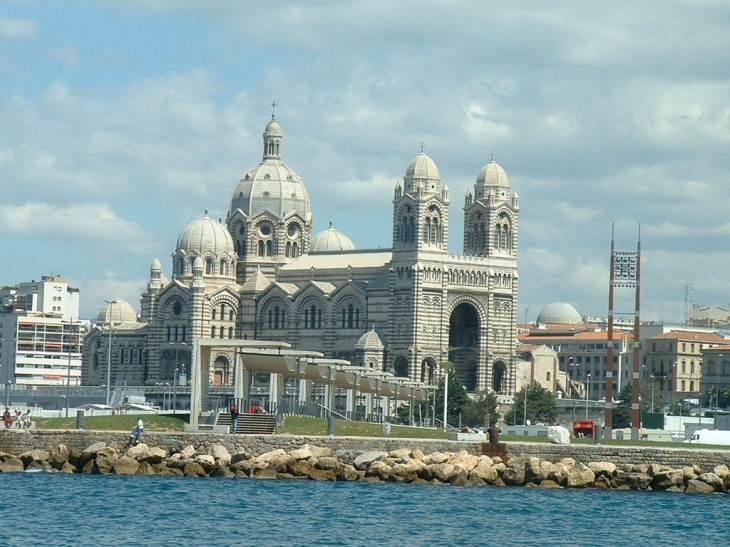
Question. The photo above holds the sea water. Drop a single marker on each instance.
(52, 509)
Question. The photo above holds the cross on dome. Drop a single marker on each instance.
(273, 109)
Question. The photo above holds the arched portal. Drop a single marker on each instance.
(221, 373)
(499, 371)
(464, 343)
(400, 367)
(428, 371)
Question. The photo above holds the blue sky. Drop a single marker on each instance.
(120, 122)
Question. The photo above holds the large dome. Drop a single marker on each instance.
(118, 310)
(559, 313)
(205, 235)
(492, 174)
(422, 167)
(330, 240)
(271, 185)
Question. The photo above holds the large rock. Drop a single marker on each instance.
(364, 460)
(89, 453)
(325, 463)
(713, 480)
(696, 486)
(484, 471)
(436, 457)
(240, 456)
(469, 461)
(193, 469)
(580, 476)
(606, 469)
(35, 456)
(380, 470)
(59, 455)
(188, 453)
(722, 471)
(401, 454)
(443, 472)
(221, 454)
(557, 434)
(537, 470)
(13, 465)
(636, 481)
(126, 466)
(664, 480)
(271, 456)
(106, 458)
(205, 461)
(347, 472)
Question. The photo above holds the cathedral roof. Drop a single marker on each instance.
(271, 185)
(422, 167)
(492, 174)
(118, 311)
(331, 240)
(257, 282)
(370, 341)
(205, 235)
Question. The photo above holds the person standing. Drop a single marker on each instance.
(138, 431)
(7, 418)
(234, 418)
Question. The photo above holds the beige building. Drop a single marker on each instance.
(264, 275)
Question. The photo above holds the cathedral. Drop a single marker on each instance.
(263, 275)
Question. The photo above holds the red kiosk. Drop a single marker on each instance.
(584, 428)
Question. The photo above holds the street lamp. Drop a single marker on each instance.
(109, 350)
(653, 380)
(174, 391)
(68, 371)
(446, 366)
(588, 391)
(717, 387)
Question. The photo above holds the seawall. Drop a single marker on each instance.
(20, 441)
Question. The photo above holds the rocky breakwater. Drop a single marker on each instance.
(402, 465)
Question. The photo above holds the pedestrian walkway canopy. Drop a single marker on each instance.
(279, 358)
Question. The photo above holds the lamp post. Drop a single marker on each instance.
(446, 366)
(109, 349)
(174, 391)
(588, 391)
(717, 387)
(653, 380)
(68, 370)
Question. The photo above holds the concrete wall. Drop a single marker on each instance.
(17, 442)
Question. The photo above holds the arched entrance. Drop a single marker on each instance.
(464, 343)
(428, 371)
(499, 371)
(400, 367)
(221, 372)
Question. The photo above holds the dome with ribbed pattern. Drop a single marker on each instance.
(205, 235)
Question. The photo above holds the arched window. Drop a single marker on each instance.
(215, 314)
(276, 318)
(268, 248)
(312, 318)
(212, 332)
(230, 332)
(295, 250)
(231, 315)
(224, 268)
(181, 266)
(169, 333)
(350, 317)
(209, 266)
(261, 248)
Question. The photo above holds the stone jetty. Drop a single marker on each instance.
(406, 465)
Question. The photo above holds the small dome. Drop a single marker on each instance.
(560, 313)
(273, 129)
(331, 240)
(198, 263)
(369, 341)
(118, 310)
(205, 235)
(492, 174)
(156, 264)
(422, 167)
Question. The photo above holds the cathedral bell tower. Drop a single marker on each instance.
(420, 235)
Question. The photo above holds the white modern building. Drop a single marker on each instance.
(40, 333)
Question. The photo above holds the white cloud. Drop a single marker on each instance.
(93, 225)
(69, 56)
(13, 29)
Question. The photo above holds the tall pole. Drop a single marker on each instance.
(174, 391)
(524, 410)
(608, 416)
(68, 372)
(636, 387)
(446, 396)
(717, 387)
(588, 391)
(653, 381)
(109, 349)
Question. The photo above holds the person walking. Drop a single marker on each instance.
(234, 418)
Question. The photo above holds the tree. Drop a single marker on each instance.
(482, 410)
(457, 399)
(541, 407)
(622, 410)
